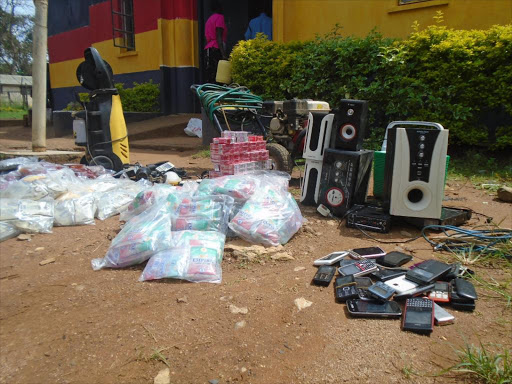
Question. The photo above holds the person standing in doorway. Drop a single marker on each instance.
(262, 24)
(216, 35)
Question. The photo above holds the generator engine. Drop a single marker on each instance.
(290, 117)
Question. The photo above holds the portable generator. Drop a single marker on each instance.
(102, 129)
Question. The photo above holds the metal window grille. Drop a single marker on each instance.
(123, 31)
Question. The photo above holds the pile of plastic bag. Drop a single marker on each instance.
(179, 230)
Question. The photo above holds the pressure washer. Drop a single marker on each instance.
(103, 132)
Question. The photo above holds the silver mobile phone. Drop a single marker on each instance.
(441, 316)
(331, 258)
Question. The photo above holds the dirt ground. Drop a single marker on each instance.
(65, 323)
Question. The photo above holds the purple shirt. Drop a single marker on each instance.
(214, 21)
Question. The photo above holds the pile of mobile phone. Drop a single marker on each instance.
(373, 283)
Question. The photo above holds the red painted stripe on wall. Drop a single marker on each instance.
(71, 44)
(179, 9)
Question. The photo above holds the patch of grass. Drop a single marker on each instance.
(502, 289)
(204, 153)
(158, 356)
(487, 171)
(484, 366)
(12, 113)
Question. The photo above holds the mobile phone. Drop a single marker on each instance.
(331, 258)
(388, 274)
(363, 282)
(324, 275)
(400, 284)
(441, 316)
(428, 271)
(345, 288)
(361, 308)
(460, 302)
(418, 315)
(414, 292)
(362, 285)
(359, 268)
(367, 253)
(381, 291)
(364, 294)
(394, 259)
(440, 292)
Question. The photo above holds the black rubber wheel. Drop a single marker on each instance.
(281, 158)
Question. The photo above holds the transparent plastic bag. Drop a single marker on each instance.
(39, 168)
(28, 215)
(271, 217)
(8, 231)
(196, 256)
(75, 209)
(140, 238)
(12, 164)
(237, 186)
(204, 213)
(145, 199)
(275, 179)
(115, 201)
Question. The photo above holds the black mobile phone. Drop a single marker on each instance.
(427, 272)
(418, 315)
(363, 282)
(367, 253)
(345, 288)
(388, 274)
(394, 259)
(361, 308)
(324, 275)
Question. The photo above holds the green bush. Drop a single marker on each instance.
(461, 79)
(143, 97)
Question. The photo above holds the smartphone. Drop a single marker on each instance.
(400, 284)
(418, 315)
(441, 316)
(414, 292)
(367, 253)
(331, 258)
(359, 268)
(362, 308)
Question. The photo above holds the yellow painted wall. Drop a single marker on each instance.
(302, 19)
(173, 44)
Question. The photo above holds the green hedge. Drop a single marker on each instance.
(461, 79)
(142, 97)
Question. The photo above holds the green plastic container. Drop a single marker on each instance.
(379, 164)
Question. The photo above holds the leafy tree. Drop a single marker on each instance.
(16, 37)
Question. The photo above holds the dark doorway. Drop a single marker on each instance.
(237, 14)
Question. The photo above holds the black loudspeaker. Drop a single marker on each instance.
(344, 180)
(349, 126)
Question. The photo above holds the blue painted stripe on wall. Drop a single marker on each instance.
(175, 90)
(63, 96)
(175, 94)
